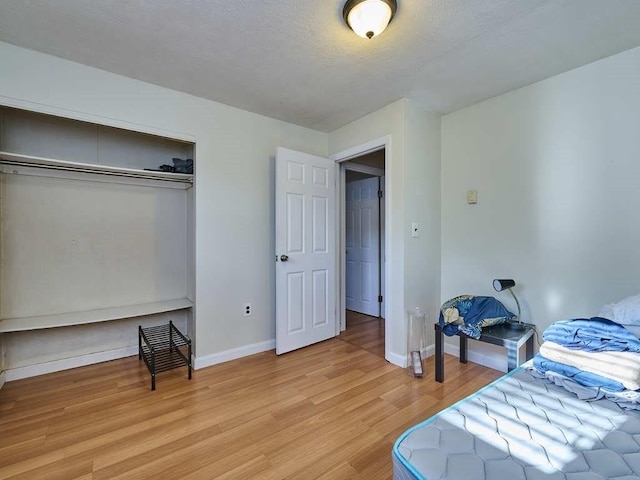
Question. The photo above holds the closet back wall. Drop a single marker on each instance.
(61, 138)
(72, 245)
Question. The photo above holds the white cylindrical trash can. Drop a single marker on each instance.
(416, 341)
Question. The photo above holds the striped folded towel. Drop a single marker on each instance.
(623, 367)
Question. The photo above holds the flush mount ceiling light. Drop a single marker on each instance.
(369, 18)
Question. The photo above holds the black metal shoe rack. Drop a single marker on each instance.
(163, 348)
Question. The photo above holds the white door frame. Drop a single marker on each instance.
(357, 167)
(353, 152)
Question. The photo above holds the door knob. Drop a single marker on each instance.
(284, 258)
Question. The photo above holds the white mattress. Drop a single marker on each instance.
(522, 428)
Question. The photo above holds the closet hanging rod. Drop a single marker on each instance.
(10, 159)
(95, 172)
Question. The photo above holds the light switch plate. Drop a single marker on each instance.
(472, 197)
(414, 230)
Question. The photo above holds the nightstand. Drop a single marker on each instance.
(502, 335)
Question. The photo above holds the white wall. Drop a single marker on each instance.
(413, 175)
(73, 245)
(422, 205)
(557, 173)
(234, 183)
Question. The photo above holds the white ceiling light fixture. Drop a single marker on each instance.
(369, 18)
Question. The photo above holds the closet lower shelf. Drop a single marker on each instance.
(163, 348)
(92, 316)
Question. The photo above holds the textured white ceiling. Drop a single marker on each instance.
(297, 61)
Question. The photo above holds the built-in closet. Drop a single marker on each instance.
(94, 240)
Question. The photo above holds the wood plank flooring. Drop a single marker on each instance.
(365, 332)
(330, 411)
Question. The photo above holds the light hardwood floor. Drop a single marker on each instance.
(365, 332)
(329, 411)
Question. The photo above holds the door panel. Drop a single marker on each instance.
(320, 297)
(306, 239)
(320, 225)
(295, 302)
(295, 223)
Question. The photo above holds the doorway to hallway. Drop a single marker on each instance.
(364, 252)
(371, 158)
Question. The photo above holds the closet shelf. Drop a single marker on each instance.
(7, 158)
(92, 316)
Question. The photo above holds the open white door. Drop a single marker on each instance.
(305, 249)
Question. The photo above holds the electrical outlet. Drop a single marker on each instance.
(247, 309)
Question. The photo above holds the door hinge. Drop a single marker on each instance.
(379, 193)
(379, 298)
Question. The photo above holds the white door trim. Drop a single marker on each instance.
(341, 157)
(357, 167)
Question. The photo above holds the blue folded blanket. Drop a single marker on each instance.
(477, 312)
(582, 377)
(592, 335)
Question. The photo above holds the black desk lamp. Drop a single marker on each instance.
(508, 283)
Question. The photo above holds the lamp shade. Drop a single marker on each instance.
(501, 284)
(369, 18)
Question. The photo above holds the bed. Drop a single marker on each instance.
(523, 428)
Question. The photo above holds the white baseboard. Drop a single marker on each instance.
(80, 361)
(67, 363)
(402, 360)
(234, 353)
(430, 350)
(397, 360)
(497, 362)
